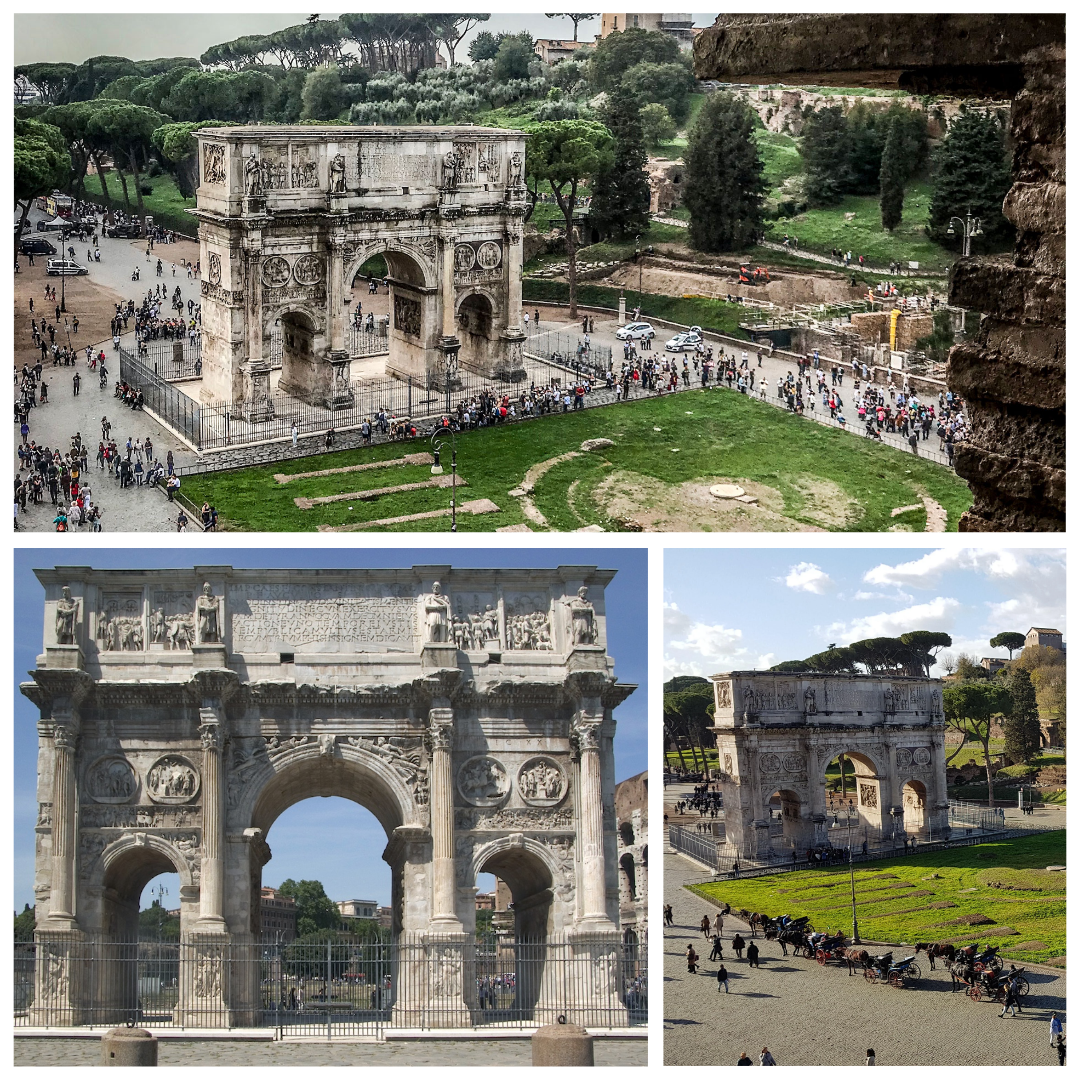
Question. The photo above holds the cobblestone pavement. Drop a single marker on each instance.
(78, 1052)
(809, 1015)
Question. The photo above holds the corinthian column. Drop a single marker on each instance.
(212, 885)
(64, 836)
(335, 291)
(587, 732)
(442, 817)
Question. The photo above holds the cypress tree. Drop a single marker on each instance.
(725, 178)
(1022, 732)
(826, 155)
(892, 177)
(972, 171)
(620, 199)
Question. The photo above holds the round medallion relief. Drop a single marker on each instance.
(309, 270)
(214, 271)
(541, 782)
(793, 763)
(111, 780)
(482, 781)
(275, 271)
(464, 257)
(489, 255)
(770, 763)
(172, 779)
(921, 756)
(903, 757)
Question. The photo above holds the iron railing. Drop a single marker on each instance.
(337, 987)
(358, 341)
(173, 406)
(172, 358)
(569, 351)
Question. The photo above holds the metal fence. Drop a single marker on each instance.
(173, 406)
(569, 351)
(172, 358)
(358, 341)
(335, 988)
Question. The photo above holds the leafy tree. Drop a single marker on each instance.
(239, 53)
(307, 956)
(824, 150)
(93, 75)
(795, 667)
(832, 659)
(971, 172)
(315, 911)
(42, 163)
(968, 669)
(892, 178)
(49, 80)
(669, 85)
(452, 27)
(925, 646)
(178, 149)
(576, 18)
(24, 924)
(389, 40)
(568, 154)
(484, 46)
(514, 55)
(725, 178)
(121, 89)
(620, 193)
(1008, 639)
(617, 53)
(156, 924)
(970, 709)
(1022, 731)
(656, 124)
(126, 130)
(323, 95)
(684, 682)
(689, 715)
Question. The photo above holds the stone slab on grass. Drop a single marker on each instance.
(374, 493)
(476, 506)
(409, 459)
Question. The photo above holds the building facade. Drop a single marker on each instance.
(680, 27)
(182, 712)
(632, 829)
(277, 916)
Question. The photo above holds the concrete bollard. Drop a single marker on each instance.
(562, 1044)
(128, 1046)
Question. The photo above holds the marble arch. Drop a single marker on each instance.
(398, 689)
(289, 214)
(777, 733)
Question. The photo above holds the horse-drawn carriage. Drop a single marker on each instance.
(829, 947)
(987, 960)
(988, 984)
(883, 969)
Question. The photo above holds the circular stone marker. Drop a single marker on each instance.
(726, 491)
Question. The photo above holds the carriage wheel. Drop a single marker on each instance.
(870, 975)
(897, 980)
(974, 992)
(1022, 986)
(996, 964)
(914, 971)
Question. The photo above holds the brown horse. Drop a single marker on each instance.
(936, 949)
(856, 955)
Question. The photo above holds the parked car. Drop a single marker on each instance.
(52, 224)
(636, 331)
(125, 230)
(56, 267)
(684, 342)
(36, 245)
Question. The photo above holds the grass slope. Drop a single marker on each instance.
(165, 203)
(728, 434)
(971, 879)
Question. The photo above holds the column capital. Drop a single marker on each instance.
(211, 734)
(441, 729)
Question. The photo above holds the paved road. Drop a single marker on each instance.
(436, 1052)
(808, 1015)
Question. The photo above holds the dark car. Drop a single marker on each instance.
(125, 230)
(36, 245)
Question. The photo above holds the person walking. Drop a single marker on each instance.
(738, 945)
(722, 979)
(669, 915)
(752, 954)
(766, 1058)
(295, 434)
(743, 1060)
(717, 948)
(705, 925)
(691, 960)
(870, 1058)
(1011, 999)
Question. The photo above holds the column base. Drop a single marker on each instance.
(61, 996)
(596, 1001)
(257, 405)
(204, 978)
(431, 982)
(341, 394)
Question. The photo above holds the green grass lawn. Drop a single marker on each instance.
(728, 435)
(779, 154)
(1005, 881)
(164, 203)
(823, 229)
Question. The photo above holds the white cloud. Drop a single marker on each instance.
(938, 614)
(927, 570)
(864, 594)
(809, 577)
(696, 648)
(765, 661)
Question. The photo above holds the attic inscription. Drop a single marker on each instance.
(308, 619)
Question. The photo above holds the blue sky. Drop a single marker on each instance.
(309, 839)
(733, 609)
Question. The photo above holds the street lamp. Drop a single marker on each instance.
(63, 276)
(637, 255)
(851, 812)
(969, 227)
(438, 437)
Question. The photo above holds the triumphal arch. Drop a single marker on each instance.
(777, 733)
(182, 712)
(288, 215)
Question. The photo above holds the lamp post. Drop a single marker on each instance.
(637, 255)
(969, 227)
(63, 276)
(851, 868)
(439, 436)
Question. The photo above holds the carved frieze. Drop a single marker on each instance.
(309, 270)
(172, 618)
(313, 294)
(477, 261)
(723, 695)
(213, 171)
(482, 781)
(528, 624)
(475, 631)
(488, 163)
(542, 782)
(120, 625)
(508, 819)
(868, 795)
(111, 779)
(138, 817)
(230, 297)
(276, 271)
(213, 272)
(407, 315)
(172, 779)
